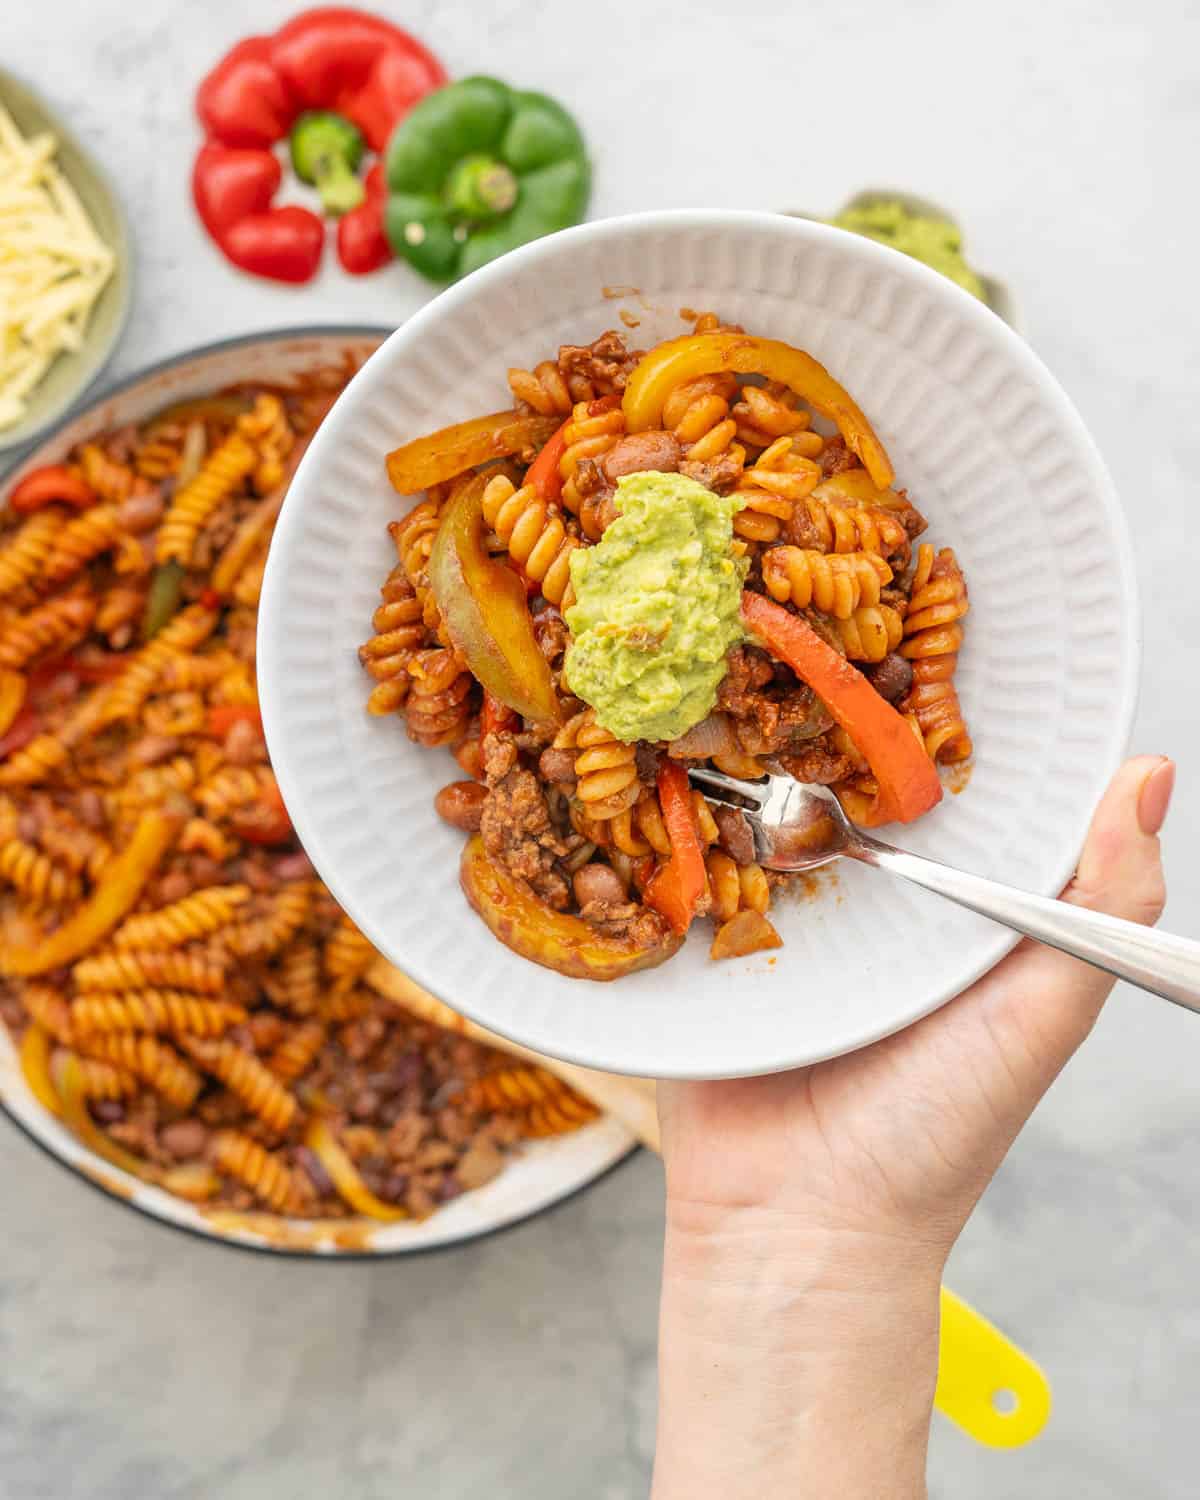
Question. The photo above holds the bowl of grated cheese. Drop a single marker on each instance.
(65, 267)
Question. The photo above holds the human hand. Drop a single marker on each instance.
(824, 1201)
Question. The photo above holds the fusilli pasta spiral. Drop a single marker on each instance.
(154, 1010)
(834, 583)
(238, 1155)
(438, 709)
(35, 874)
(222, 472)
(605, 769)
(49, 627)
(179, 969)
(147, 1058)
(196, 916)
(242, 1074)
(932, 639)
(535, 535)
(25, 555)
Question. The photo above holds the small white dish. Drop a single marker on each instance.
(72, 373)
(992, 451)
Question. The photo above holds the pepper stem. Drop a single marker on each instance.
(480, 187)
(338, 184)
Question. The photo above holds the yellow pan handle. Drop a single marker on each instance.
(986, 1385)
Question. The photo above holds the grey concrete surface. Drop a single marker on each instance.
(135, 1363)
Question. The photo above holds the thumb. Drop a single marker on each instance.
(1120, 869)
(1049, 1001)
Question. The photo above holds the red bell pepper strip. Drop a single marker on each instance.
(362, 245)
(908, 782)
(232, 188)
(22, 729)
(543, 473)
(265, 822)
(223, 716)
(675, 888)
(496, 716)
(49, 485)
(333, 58)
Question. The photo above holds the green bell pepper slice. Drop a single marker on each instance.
(476, 169)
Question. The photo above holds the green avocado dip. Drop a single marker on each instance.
(656, 607)
(935, 241)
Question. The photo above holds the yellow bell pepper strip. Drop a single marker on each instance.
(34, 1057)
(856, 487)
(344, 1175)
(485, 611)
(13, 687)
(246, 541)
(679, 360)
(554, 939)
(675, 889)
(68, 1085)
(121, 883)
(452, 450)
(908, 782)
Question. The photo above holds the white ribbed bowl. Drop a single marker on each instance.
(991, 450)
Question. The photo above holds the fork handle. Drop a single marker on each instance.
(1156, 961)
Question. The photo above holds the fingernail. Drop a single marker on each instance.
(1155, 796)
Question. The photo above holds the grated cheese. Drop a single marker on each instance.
(53, 265)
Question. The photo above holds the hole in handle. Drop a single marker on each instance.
(1004, 1402)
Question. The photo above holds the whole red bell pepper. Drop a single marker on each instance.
(332, 58)
(358, 64)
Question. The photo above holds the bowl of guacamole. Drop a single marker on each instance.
(924, 230)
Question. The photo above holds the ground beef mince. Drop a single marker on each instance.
(517, 831)
(640, 925)
(499, 755)
(817, 762)
(836, 458)
(606, 362)
(719, 474)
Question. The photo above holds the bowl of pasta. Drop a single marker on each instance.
(675, 490)
(187, 1018)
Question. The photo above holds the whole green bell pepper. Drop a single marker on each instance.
(476, 169)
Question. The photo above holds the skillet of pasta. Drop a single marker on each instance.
(698, 554)
(183, 992)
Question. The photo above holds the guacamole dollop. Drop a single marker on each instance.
(937, 242)
(656, 607)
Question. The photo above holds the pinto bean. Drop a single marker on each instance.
(892, 677)
(461, 804)
(184, 1139)
(638, 451)
(598, 883)
(734, 834)
(142, 511)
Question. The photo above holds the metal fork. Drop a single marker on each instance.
(798, 826)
